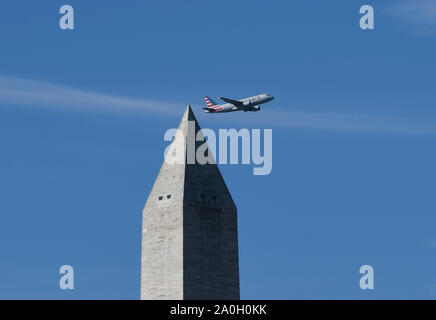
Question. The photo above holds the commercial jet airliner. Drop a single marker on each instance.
(247, 104)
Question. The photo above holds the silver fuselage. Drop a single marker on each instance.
(249, 104)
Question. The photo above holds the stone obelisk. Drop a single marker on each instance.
(189, 227)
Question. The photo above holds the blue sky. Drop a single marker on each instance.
(83, 114)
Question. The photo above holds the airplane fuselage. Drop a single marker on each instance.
(248, 104)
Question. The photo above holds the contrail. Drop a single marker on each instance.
(24, 92)
(37, 94)
(330, 121)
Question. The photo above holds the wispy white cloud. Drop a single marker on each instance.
(419, 15)
(330, 121)
(24, 92)
(30, 93)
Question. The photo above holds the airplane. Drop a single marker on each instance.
(247, 104)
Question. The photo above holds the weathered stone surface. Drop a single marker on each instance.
(189, 235)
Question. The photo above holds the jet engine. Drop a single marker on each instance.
(247, 103)
(255, 108)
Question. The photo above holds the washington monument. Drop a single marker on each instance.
(189, 229)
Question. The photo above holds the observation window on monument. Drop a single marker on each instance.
(160, 198)
(169, 196)
(203, 197)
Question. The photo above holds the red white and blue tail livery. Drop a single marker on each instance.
(211, 104)
(247, 104)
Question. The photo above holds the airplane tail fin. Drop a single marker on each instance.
(210, 102)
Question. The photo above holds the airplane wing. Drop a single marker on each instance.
(236, 103)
